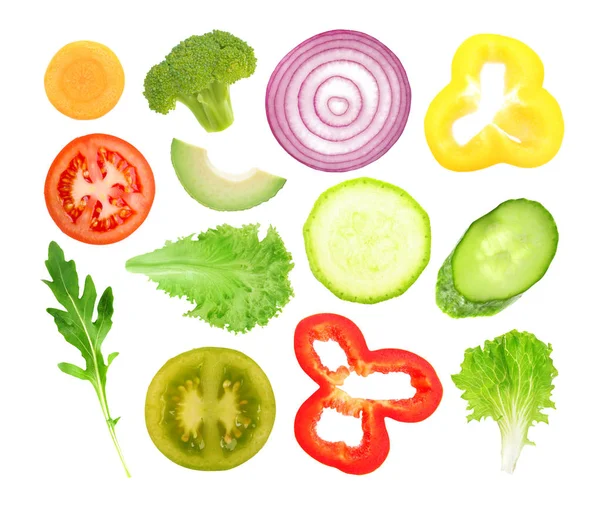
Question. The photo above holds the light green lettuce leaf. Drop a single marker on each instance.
(509, 380)
(234, 280)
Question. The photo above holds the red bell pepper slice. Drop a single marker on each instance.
(375, 443)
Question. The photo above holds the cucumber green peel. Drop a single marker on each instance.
(500, 256)
(367, 240)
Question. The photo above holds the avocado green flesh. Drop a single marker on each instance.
(210, 409)
(367, 240)
(216, 189)
(505, 252)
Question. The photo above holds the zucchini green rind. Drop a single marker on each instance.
(499, 257)
(367, 240)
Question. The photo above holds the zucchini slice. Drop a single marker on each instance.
(367, 240)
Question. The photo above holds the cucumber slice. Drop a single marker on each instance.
(500, 256)
(367, 240)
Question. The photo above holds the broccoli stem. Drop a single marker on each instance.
(211, 106)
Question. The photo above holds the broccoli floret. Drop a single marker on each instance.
(198, 73)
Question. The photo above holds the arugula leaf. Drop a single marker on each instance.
(76, 326)
(235, 280)
(509, 380)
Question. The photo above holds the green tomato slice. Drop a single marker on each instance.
(210, 409)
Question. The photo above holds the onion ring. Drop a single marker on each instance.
(338, 101)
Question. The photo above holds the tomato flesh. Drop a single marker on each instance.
(210, 409)
(99, 189)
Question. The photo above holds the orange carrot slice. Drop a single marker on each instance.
(84, 80)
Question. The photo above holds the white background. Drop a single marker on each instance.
(55, 451)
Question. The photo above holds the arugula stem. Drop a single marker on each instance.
(113, 435)
(110, 423)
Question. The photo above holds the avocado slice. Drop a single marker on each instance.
(216, 189)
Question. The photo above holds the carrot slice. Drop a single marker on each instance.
(84, 80)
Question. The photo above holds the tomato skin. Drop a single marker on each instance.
(374, 446)
(141, 201)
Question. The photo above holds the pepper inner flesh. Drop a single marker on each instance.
(491, 98)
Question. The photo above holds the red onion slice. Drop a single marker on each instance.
(338, 101)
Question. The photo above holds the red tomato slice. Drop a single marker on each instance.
(99, 189)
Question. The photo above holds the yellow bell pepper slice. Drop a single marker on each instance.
(528, 129)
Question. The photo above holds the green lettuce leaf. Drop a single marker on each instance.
(234, 280)
(509, 380)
